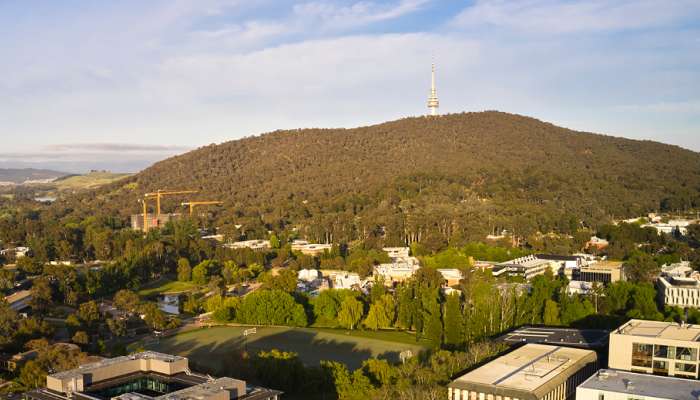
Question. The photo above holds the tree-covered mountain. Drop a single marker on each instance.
(449, 178)
(19, 175)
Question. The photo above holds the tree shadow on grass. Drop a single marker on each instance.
(311, 348)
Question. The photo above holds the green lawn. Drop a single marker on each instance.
(210, 347)
(166, 286)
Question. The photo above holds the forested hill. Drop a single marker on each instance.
(453, 177)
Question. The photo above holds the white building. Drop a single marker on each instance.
(396, 272)
(679, 291)
(310, 249)
(610, 384)
(308, 275)
(397, 252)
(18, 252)
(170, 304)
(677, 270)
(527, 267)
(346, 280)
(673, 225)
(579, 287)
(256, 244)
(451, 275)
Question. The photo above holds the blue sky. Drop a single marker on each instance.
(118, 85)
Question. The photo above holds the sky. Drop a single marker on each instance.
(119, 85)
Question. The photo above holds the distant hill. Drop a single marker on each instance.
(453, 177)
(90, 180)
(20, 175)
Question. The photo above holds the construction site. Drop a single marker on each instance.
(157, 219)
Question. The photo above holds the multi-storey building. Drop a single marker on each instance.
(655, 347)
(527, 267)
(679, 291)
(609, 384)
(144, 376)
(531, 372)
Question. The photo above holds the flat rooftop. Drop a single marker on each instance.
(609, 265)
(87, 368)
(582, 338)
(659, 329)
(527, 368)
(644, 385)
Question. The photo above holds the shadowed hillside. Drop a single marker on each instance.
(455, 177)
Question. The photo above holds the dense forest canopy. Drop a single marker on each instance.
(451, 178)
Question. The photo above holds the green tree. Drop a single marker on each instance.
(641, 268)
(551, 313)
(127, 301)
(350, 312)
(271, 307)
(153, 316)
(184, 270)
(200, 272)
(381, 313)
(89, 313)
(454, 322)
(81, 337)
(274, 242)
(42, 295)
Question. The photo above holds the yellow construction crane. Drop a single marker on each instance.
(193, 204)
(157, 195)
(160, 193)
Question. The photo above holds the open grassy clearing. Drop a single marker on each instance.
(166, 286)
(212, 347)
(87, 181)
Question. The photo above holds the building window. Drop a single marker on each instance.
(660, 368)
(686, 368)
(641, 355)
(660, 351)
(601, 396)
(686, 354)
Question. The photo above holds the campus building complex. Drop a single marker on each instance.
(609, 384)
(654, 347)
(531, 372)
(144, 376)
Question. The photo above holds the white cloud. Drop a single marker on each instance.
(556, 16)
(335, 17)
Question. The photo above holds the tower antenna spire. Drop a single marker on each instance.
(433, 102)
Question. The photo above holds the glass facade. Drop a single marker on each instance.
(686, 354)
(642, 355)
(149, 385)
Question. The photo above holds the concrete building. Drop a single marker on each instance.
(308, 275)
(256, 245)
(677, 270)
(531, 372)
(601, 272)
(310, 249)
(144, 376)
(579, 287)
(170, 303)
(396, 272)
(452, 276)
(17, 252)
(16, 362)
(591, 339)
(346, 280)
(152, 221)
(678, 291)
(19, 301)
(610, 384)
(672, 226)
(654, 347)
(597, 243)
(527, 267)
(397, 252)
